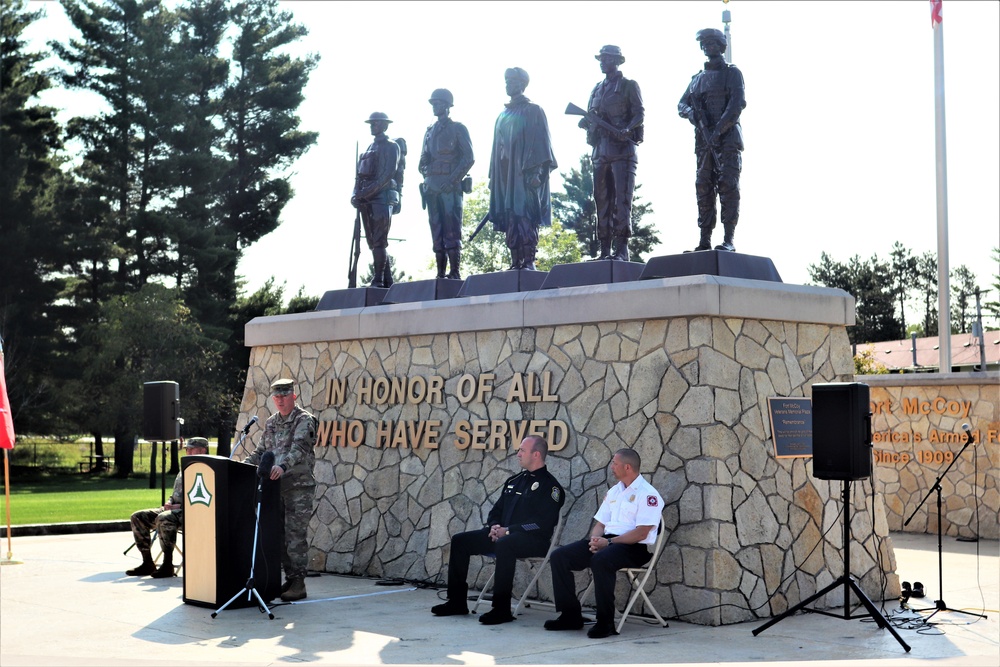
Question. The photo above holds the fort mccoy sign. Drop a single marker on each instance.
(486, 434)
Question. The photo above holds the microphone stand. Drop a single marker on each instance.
(249, 588)
(939, 605)
(238, 445)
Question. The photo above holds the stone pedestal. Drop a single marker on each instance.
(423, 404)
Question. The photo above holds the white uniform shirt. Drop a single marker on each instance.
(624, 508)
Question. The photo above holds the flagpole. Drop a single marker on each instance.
(6, 493)
(940, 154)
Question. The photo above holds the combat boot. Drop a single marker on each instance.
(515, 259)
(166, 568)
(455, 258)
(442, 263)
(621, 249)
(605, 249)
(528, 258)
(705, 242)
(296, 590)
(379, 260)
(147, 567)
(387, 280)
(727, 240)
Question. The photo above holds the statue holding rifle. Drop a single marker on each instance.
(613, 121)
(376, 194)
(713, 102)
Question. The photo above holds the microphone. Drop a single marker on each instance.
(968, 433)
(265, 465)
(253, 420)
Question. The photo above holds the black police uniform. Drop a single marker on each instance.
(529, 507)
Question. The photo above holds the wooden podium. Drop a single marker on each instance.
(220, 508)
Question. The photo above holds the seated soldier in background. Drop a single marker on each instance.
(165, 520)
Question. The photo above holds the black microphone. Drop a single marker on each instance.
(265, 465)
(253, 420)
(968, 433)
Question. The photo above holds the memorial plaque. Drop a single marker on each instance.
(791, 426)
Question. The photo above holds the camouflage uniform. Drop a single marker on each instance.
(292, 439)
(165, 522)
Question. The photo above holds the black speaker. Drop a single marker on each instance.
(161, 411)
(842, 431)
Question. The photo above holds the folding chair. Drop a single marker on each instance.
(155, 546)
(637, 577)
(535, 563)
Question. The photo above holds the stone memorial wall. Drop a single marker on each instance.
(421, 407)
(917, 433)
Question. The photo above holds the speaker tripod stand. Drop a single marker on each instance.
(939, 605)
(849, 584)
(249, 588)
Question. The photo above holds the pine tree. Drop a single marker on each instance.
(577, 210)
(30, 229)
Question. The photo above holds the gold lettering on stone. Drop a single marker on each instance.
(336, 391)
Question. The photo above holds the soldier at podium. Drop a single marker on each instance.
(290, 435)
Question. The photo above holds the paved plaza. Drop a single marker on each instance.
(69, 603)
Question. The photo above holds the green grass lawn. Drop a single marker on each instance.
(63, 498)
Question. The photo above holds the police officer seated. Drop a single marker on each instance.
(520, 525)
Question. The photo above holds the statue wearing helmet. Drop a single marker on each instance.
(617, 101)
(445, 159)
(376, 194)
(712, 103)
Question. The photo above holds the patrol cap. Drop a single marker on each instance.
(711, 33)
(444, 95)
(518, 74)
(377, 115)
(282, 387)
(196, 442)
(611, 50)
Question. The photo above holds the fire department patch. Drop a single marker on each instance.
(651, 501)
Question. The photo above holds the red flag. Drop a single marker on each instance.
(935, 13)
(6, 419)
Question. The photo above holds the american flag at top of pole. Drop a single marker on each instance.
(935, 13)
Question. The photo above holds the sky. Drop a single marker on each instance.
(838, 127)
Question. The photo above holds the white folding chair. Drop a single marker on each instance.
(637, 577)
(535, 563)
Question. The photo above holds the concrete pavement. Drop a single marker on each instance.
(68, 602)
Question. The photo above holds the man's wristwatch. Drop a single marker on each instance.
(609, 541)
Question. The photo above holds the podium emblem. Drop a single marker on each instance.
(199, 494)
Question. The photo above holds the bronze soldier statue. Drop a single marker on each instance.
(618, 102)
(713, 102)
(445, 159)
(376, 194)
(519, 172)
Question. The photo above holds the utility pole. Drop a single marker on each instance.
(726, 18)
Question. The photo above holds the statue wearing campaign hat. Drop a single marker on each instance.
(376, 194)
(617, 102)
(712, 103)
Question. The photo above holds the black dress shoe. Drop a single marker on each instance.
(450, 608)
(601, 630)
(565, 623)
(918, 590)
(496, 617)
